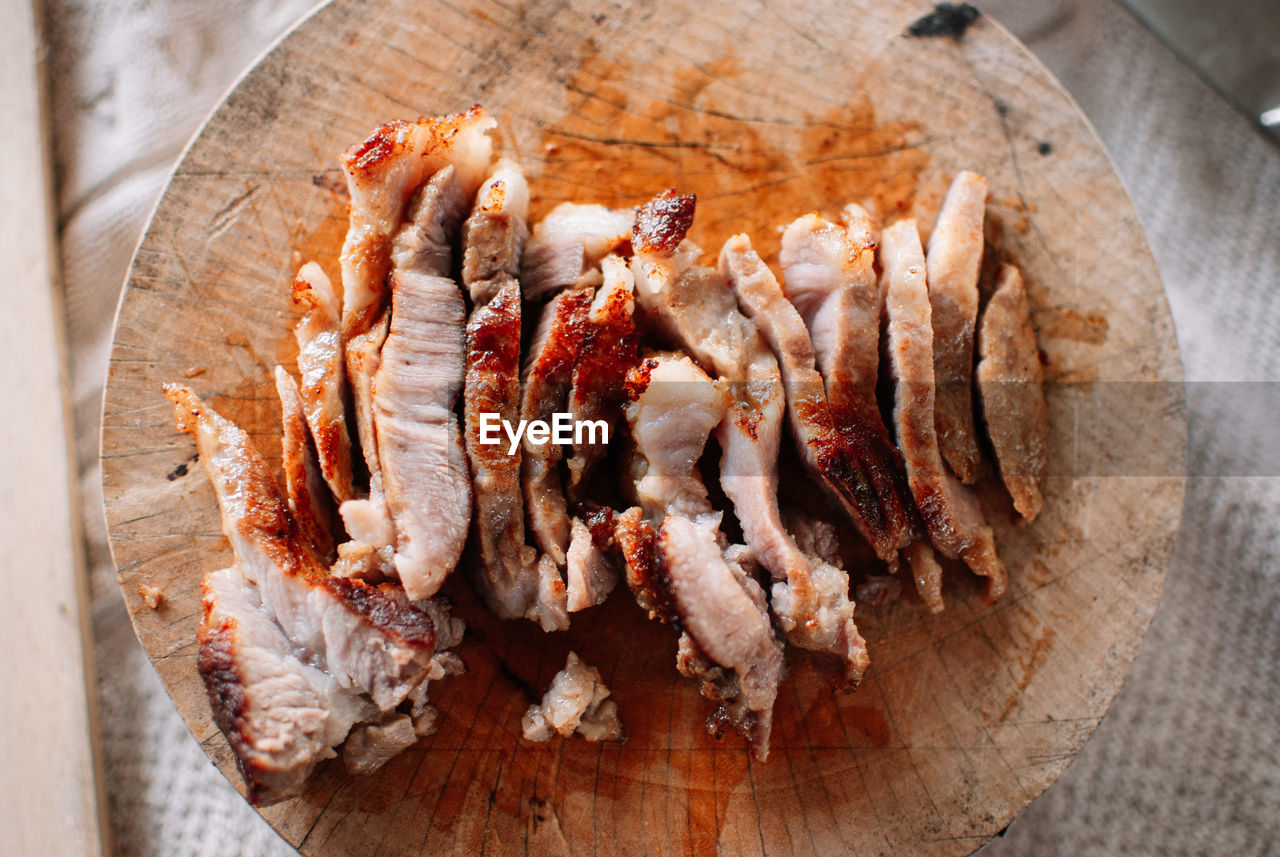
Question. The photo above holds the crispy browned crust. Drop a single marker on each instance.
(215, 660)
(662, 222)
(646, 569)
(600, 381)
(265, 519)
(367, 157)
(383, 607)
(546, 390)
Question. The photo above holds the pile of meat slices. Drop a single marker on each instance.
(328, 629)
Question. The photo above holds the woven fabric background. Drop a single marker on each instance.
(1188, 760)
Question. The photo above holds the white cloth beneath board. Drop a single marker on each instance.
(1185, 763)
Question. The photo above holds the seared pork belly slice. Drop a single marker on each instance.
(494, 236)
(723, 611)
(576, 702)
(953, 262)
(548, 377)
(599, 376)
(1011, 385)
(567, 245)
(281, 716)
(366, 519)
(309, 502)
(425, 479)
(324, 376)
(505, 576)
(382, 174)
(821, 446)
(828, 275)
(676, 406)
(950, 510)
(370, 638)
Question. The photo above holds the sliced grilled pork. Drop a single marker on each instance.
(494, 236)
(369, 638)
(680, 572)
(822, 447)
(1010, 382)
(670, 421)
(590, 574)
(954, 261)
(506, 574)
(723, 611)
(829, 276)
(309, 501)
(599, 376)
(548, 377)
(695, 307)
(567, 245)
(425, 479)
(577, 701)
(382, 174)
(950, 510)
(281, 716)
(324, 376)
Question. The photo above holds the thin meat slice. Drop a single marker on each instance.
(309, 503)
(547, 380)
(954, 262)
(590, 574)
(822, 448)
(829, 276)
(369, 638)
(382, 174)
(950, 510)
(324, 376)
(281, 715)
(567, 245)
(577, 702)
(723, 611)
(425, 478)
(1011, 385)
(494, 236)
(680, 572)
(694, 307)
(506, 574)
(672, 416)
(599, 377)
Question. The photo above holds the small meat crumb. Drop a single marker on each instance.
(152, 596)
(577, 701)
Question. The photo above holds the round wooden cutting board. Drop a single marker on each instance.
(766, 111)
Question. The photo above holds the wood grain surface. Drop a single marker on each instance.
(766, 112)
